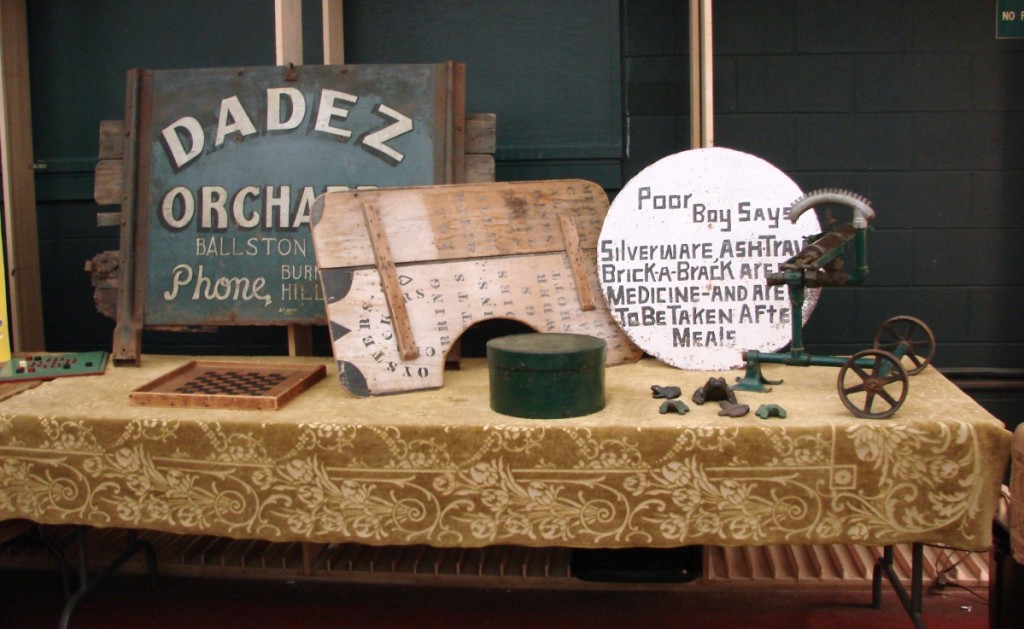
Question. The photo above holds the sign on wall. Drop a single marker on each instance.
(1009, 19)
(229, 162)
(685, 250)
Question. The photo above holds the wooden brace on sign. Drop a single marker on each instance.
(405, 271)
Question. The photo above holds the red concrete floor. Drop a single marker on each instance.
(30, 599)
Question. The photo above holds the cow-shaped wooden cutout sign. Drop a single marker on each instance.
(405, 271)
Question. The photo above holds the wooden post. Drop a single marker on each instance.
(288, 40)
(288, 31)
(701, 77)
(22, 237)
(334, 33)
(288, 44)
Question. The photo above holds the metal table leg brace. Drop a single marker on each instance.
(912, 601)
(87, 583)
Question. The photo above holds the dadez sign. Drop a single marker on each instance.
(230, 162)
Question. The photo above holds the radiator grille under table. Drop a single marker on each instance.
(493, 566)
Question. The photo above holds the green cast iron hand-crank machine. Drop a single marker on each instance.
(872, 383)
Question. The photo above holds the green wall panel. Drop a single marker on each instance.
(550, 69)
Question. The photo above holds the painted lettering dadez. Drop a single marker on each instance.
(185, 141)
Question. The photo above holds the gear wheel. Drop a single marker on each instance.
(862, 210)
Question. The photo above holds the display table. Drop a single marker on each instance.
(440, 468)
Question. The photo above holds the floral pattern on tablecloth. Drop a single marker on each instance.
(749, 483)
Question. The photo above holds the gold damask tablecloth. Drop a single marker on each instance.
(439, 467)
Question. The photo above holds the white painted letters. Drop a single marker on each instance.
(219, 289)
(188, 208)
(328, 110)
(184, 139)
(298, 101)
(214, 215)
(233, 119)
(243, 220)
(376, 140)
(684, 253)
(172, 140)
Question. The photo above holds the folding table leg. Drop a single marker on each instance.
(87, 583)
(912, 602)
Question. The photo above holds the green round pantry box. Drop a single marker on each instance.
(547, 376)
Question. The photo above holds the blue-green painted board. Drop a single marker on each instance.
(233, 159)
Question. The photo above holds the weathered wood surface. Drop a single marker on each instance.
(384, 262)
(457, 255)
(108, 182)
(112, 138)
(571, 237)
(104, 271)
(127, 345)
(481, 134)
(431, 223)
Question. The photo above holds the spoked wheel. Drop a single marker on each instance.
(909, 339)
(873, 384)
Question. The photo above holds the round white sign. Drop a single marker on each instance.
(685, 251)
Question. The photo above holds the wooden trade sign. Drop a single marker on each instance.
(685, 251)
(405, 271)
(224, 168)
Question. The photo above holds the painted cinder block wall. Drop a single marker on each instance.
(915, 105)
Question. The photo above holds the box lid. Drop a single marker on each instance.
(547, 352)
